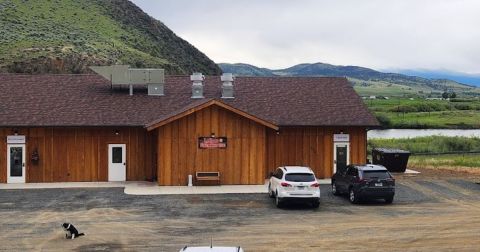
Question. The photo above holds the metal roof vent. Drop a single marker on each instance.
(197, 86)
(227, 85)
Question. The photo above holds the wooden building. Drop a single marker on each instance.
(62, 128)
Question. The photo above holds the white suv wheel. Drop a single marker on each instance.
(278, 202)
(270, 192)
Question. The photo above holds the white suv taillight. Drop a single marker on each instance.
(285, 184)
(315, 185)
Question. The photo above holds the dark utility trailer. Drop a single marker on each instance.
(394, 160)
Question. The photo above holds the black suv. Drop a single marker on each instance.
(364, 182)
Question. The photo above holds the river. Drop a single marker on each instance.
(411, 133)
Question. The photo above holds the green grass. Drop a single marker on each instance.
(431, 144)
(397, 89)
(100, 32)
(421, 113)
(435, 144)
(454, 160)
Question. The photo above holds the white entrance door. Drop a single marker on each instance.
(117, 162)
(341, 155)
(16, 163)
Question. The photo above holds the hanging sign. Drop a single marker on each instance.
(15, 139)
(341, 137)
(212, 142)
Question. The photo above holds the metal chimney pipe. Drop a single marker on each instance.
(197, 85)
(227, 85)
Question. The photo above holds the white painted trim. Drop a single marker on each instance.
(117, 172)
(16, 179)
(340, 144)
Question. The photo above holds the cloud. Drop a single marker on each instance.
(395, 34)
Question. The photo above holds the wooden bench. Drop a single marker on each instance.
(207, 176)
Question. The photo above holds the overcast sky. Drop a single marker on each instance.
(380, 34)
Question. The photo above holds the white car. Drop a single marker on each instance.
(294, 183)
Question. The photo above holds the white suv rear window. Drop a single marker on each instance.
(299, 177)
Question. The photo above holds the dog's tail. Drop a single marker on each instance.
(80, 234)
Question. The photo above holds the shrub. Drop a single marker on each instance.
(404, 109)
(463, 106)
(384, 120)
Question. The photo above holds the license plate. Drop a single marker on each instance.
(300, 187)
(378, 184)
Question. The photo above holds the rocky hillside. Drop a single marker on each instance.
(66, 36)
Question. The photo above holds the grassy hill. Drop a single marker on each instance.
(65, 36)
(365, 81)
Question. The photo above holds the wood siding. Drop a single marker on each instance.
(81, 154)
(313, 147)
(242, 162)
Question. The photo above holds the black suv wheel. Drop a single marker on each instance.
(389, 200)
(352, 196)
(334, 188)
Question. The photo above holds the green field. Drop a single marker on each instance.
(451, 160)
(405, 89)
(417, 113)
(432, 146)
(429, 145)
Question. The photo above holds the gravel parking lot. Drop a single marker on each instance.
(440, 213)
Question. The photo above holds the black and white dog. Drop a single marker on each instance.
(71, 231)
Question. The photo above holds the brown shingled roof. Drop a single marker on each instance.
(88, 100)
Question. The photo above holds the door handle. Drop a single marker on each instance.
(124, 163)
(23, 164)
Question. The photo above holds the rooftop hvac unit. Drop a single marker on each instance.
(123, 75)
(156, 89)
(139, 76)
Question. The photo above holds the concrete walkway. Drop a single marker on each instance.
(408, 171)
(62, 185)
(149, 188)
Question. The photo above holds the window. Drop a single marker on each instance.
(279, 174)
(376, 175)
(352, 171)
(117, 155)
(300, 177)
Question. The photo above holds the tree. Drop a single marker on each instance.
(445, 95)
(453, 95)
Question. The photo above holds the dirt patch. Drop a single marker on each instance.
(432, 211)
(441, 171)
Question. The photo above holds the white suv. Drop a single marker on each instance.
(294, 183)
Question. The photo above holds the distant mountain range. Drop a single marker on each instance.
(469, 79)
(366, 81)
